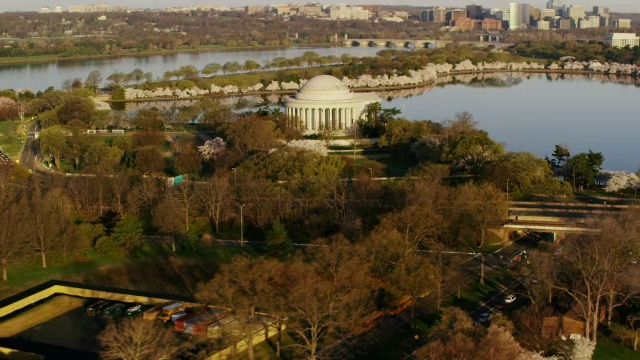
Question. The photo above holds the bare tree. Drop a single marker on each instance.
(240, 287)
(216, 198)
(328, 133)
(43, 221)
(329, 293)
(591, 266)
(479, 209)
(136, 339)
(13, 233)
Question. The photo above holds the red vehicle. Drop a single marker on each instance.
(179, 325)
(200, 327)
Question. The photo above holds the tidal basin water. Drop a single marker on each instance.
(525, 112)
(42, 75)
(534, 112)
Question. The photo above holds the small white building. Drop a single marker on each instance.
(326, 102)
(620, 40)
(622, 24)
(543, 25)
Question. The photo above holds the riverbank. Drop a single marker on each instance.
(360, 89)
(205, 49)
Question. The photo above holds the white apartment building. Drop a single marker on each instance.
(90, 8)
(620, 40)
(544, 25)
(547, 13)
(589, 22)
(502, 15)
(576, 12)
(348, 12)
(622, 24)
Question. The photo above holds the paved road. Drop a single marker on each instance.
(350, 347)
(29, 157)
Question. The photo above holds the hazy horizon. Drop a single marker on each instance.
(34, 5)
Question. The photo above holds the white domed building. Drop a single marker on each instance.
(326, 102)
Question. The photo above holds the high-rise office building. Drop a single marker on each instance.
(475, 12)
(518, 16)
(547, 14)
(437, 15)
(601, 11)
(576, 12)
(556, 5)
(456, 14)
(440, 15)
(535, 13)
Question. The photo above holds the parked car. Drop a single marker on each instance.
(152, 313)
(177, 316)
(98, 307)
(484, 318)
(114, 311)
(134, 310)
(167, 311)
(509, 299)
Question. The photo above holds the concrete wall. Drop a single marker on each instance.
(240, 346)
(19, 355)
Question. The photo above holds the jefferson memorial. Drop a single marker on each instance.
(325, 101)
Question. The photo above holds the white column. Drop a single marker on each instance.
(334, 118)
(325, 119)
(354, 116)
(351, 116)
(305, 124)
(301, 119)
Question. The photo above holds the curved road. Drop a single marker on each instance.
(29, 155)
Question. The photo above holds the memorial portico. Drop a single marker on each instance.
(325, 102)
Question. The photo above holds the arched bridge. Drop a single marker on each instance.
(396, 43)
(555, 218)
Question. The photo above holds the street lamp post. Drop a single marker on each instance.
(235, 182)
(508, 200)
(507, 192)
(241, 227)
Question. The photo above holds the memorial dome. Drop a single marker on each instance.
(324, 87)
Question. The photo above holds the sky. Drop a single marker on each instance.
(34, 5)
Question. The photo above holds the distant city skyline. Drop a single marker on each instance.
(34, 5)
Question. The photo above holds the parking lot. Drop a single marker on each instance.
(67, 327)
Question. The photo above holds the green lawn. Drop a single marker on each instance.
(155, 269)
(396, 166)
(10, 138)
(607, 349)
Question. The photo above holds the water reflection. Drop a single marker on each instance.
(525, 111)
(40, 76)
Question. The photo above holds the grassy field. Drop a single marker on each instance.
(10, 138)
(153, 269)
(607, 349)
